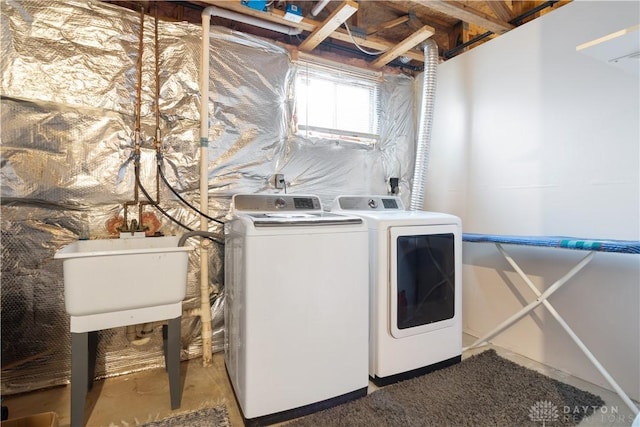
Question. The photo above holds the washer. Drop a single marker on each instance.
(296, 311)
(415, 283)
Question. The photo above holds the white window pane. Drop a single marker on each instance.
(321, 104)
(334, 106)
(302, 95)
(353, 109)
(315, 102)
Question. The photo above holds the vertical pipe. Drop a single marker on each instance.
(136, 132)
(158, 137)
(138, 106)
(425, 124)
(205, 306)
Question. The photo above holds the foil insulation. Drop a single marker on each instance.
(68, 88)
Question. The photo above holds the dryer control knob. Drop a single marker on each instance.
(280, 203)
(373, 204)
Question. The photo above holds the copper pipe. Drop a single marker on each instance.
(138, 105)
(136, 134)
(140, 208)
(157, 143)
(139, 87)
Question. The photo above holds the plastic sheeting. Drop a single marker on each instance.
(68, 87)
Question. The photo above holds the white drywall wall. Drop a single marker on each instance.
(531, 137)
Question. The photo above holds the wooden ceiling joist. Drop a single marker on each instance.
(386, 25)
(310, 25)
(403, 8)
(384, 29)
(501, 9)
(413, 40)
(467, 14)
(324, 30)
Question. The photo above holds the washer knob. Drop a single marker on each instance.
(280, 203)
(373, 204)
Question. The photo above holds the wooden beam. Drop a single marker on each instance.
(420, 16)
(324, 30)
(424, 18)
(386, 25)
(357, 19)
(465, 13)
(501, 9)
(523, 6)
(308, 24)
(460, 35)
(414, 39)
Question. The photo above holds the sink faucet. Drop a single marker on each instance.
(134, 226)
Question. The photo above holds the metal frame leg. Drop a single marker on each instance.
(92, 354)
(541, 298)
(171, 347)
(81, 374)
(533, 304)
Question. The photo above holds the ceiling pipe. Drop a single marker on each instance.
(318, 7)
(246, 19)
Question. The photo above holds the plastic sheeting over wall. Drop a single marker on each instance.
(68, 87)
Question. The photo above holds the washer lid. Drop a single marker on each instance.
(300, 219)
(251, 203)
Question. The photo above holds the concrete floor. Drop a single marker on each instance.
(134, 399)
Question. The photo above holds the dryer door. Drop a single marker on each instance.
(422, 278)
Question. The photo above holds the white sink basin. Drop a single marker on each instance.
(110, 275)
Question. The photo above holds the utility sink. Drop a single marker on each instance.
(114, 275)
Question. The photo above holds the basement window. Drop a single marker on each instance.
(337, 104)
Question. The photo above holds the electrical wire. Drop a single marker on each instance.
(368, 52)
(164, 179)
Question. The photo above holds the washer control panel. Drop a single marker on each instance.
(276, 203)
(370, 203)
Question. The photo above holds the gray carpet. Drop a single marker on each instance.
(207, 417)
(483, 390)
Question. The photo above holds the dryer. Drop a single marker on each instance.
(415, 287)
(296, 306)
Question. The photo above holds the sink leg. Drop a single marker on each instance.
(171, 346)
(79, 376)
(93, 352)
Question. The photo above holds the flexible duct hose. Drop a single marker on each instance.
(426, 121)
